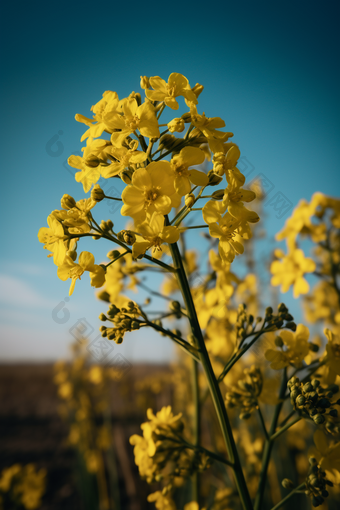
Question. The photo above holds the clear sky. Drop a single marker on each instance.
(270, 70)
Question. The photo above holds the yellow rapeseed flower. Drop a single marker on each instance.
(177, 85)
(70, 269)
(155, 234)
(290, 270)
(296, 351)
(180, 164)
(151, 190)
(53, 239)
(134, 117)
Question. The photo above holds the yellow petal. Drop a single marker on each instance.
(198, 178)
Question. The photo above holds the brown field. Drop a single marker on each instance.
(31, 431)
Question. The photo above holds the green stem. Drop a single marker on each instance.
(182, 229)
(269, 446)
(284, 500)
(117, 258)
(114, 198)
(115, 240)
(286, 427)
(196, 425)
(211, 379)
(238, 355)
(153, 292)
(179, 341)
(288, 417)
(262, 422)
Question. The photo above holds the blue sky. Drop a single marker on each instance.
(270, 70)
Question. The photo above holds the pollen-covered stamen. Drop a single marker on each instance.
(151, 195)
(172, 90)
(235, 196)
(132, 122)
(229, 229)
(181, 170)
(157, 241)
(76, 272)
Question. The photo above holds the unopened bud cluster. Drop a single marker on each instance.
(106, 226)
(126, 236)
(246, 393)
(312, 399)
(316, 483)
(281, 319)
(124, 320)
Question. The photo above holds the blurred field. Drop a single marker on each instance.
(31, 431)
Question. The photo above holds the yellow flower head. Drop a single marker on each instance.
(151, 190)
(123, 158)
(103, 111)
(155, 234)
(332, 355)
(290, 270)
(70, 269)
(177, 85)
(142, 118)
(180, 164)
(53, 239)
(227, 229)
(295, 348)
(327, 455)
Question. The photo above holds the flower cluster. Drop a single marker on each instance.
(163, 453)
(22, 486)
(247, 392)
(314, 400)
(154, 186)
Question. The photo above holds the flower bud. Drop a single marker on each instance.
(138, 98)
(313, 347)
(282, 308)
(175, 306)
(126, 236)
(291, 325)
(334, 413)
(294, 394)
(189, 200)
(307, 387)
(186, 117)
(287, 484)
(97, 194)
(319, 419)
(92, 161)
(176, 125)
(300, 400)
(104, 296)
(166, 142)
(126, 176)
(106, 226)
(113, 254)
(102, 317)
(67, 202)
(218, 194)
(197, 89)
(214, 179)
(245, 416)
(144, 82)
